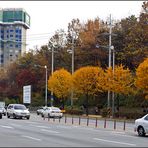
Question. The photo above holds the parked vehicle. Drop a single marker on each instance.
(0, 115)
(3, 110)
(141, 125)
(17, 111)
(52, 112)
(40, 110)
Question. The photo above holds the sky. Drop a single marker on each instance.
(49, 16)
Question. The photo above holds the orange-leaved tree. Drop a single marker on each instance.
(119, 81)
(141, 81)
(85, 82)
(60, 83)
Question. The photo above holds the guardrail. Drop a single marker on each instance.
(94, 122)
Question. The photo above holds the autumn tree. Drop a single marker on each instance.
(119, 81)
(141, 81)
(60, 83)
(85, 82)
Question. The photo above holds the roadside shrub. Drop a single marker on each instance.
(129, 115)
(74, 111)
(104, 112)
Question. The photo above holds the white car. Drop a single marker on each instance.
(52, 112)
(17, 111)
(40, 110)
(3, 110)
(141, 125)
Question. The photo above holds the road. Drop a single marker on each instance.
(37, 132)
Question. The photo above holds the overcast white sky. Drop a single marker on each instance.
(49, 16)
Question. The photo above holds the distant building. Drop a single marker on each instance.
(13, 25)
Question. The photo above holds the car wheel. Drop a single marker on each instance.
(141, 131)
(42, 115)
(28, 118)
(49, 116)
(5, 114)
(8, 116)
(37, 113)
(0, 116)
(14, 116)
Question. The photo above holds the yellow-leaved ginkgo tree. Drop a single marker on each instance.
(141, 81)
(60, 83)
(119, 81)
(85, 82)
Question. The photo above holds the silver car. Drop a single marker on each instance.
(3, 110)
(17, 111)
(141, 125)
(52, 112)
(40, 110)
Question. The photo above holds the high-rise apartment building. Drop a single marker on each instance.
(13, 25)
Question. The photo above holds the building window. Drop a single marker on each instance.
(16, 45)
(20, 31)
(11, 45)
(2, 56)
(11, 30)
(2, 61)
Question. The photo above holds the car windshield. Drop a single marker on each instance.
(22, 107)
(55, 109)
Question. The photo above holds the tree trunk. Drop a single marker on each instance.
(63, 103)
(87, 104)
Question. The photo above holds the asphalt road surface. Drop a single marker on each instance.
(37, 132)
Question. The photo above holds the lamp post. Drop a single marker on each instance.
(111, 50)
(51, 46)
(46, 87)
(52, 69)
(45, 81)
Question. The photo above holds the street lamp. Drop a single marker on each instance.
(51, 45)
(111, 50)
(71, 51)
(45, 81)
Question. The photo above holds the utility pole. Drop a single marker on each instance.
(52, 69)
(113, 94)
(72, 71)
(109, 60)
(46, 87)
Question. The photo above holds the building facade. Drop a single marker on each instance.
(14, 23)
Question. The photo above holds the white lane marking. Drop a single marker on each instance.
(42, 126)
(31, 138)
(16, 124)
(7, 126)
(117, 142)
(118, 132)
(49, 131)
(124, 135)
(67, 127)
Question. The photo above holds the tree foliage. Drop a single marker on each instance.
(120, 81)
(142, 77)
(60, 83)
(85, 80)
